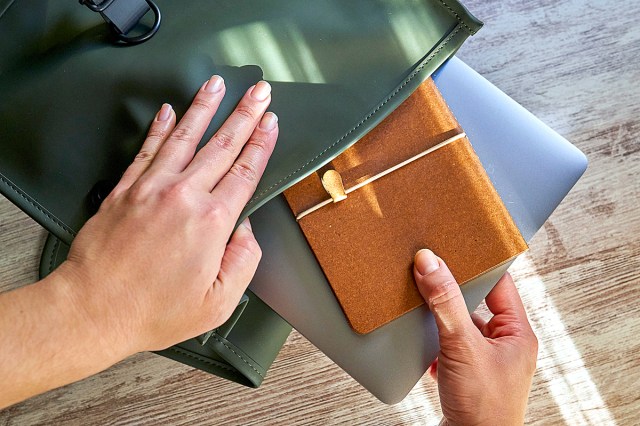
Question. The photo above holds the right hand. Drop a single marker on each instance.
(484, 369)
(160, 261)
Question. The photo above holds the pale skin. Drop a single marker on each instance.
(161, 262)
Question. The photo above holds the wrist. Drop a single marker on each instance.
(88, 316)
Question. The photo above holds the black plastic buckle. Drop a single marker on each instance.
(123, 15)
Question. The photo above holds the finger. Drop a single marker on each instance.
(238, 267)
(441, 291)
(239, 184)
(217, 156)
(179, 148)
(160, 129)
(505, 299)
(479, 322)
(510, 317)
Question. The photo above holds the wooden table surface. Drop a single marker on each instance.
(576, 65)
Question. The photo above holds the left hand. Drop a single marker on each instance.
(159, 263)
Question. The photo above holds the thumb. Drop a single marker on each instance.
(442, 293)
(237, 269)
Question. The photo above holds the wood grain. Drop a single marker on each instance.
(576, 65)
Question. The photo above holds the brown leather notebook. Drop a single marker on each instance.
(413, 182)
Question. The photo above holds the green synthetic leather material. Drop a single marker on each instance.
(241, 350)
(75, 108)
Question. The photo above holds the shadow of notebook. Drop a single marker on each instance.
(531, 167)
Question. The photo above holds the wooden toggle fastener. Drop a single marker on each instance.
(332, 182)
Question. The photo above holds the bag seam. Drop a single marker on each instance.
(458, 17)
(363, 121)
(389, 97)
(54, 254)
(35, 204)
(215, 336)
(203, 360)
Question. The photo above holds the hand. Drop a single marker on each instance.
(160, 261)
(484, 369)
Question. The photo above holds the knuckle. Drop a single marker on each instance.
(107, 203)
(224, 140)
(251, 248)
(141, 191)
(201, 105)
(258, 142)
(245, 171)
(179, 193)
(246, 111)
(182, 133)
(443, 293)
(156, 133)
(144, 156)
(115, 194)
(218, 213)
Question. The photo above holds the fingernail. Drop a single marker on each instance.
(247, 224)
(426, 262)
(260, 91)
(268, 122)
(214, 84)
(165, 112)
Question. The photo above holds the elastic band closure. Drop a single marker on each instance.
(330, 190)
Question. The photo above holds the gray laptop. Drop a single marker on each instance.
(532, 167)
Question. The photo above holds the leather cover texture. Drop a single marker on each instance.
(241, 350)
(75, 109)
(444, 201)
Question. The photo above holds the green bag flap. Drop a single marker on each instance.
(241, 350)
(76, 109)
